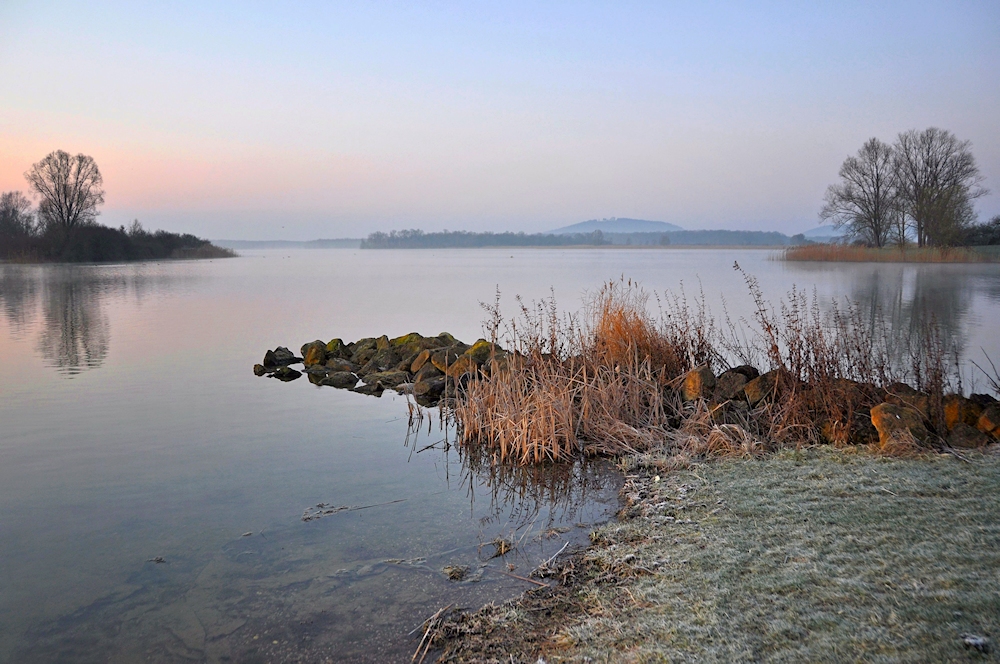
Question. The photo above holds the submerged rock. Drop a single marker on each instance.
(286, 374)
(341, 379)
(371, 390)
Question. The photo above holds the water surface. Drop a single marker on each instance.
(131, 428)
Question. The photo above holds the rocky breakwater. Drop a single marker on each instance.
(846, 412)
(430, 368)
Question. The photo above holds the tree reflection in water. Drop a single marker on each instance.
(912, 301)
(66, 303)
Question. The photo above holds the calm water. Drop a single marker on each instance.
(132, 427)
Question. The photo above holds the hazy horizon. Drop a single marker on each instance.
(323, 121)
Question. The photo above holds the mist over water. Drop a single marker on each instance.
(133, 428)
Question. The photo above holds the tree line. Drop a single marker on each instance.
(64, 225)
(418, 239)
(920, 188)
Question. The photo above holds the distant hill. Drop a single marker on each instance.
(618, 225)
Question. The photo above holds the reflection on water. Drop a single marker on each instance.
(912, 301)
(69, 304)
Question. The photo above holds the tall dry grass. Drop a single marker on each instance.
(607, 380)
(857, 254)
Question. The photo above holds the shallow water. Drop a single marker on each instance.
(131, 427)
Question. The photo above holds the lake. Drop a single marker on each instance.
(132, 429)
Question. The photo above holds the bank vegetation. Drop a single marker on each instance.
(63, 227)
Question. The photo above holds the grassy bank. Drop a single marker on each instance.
(856, 254)
(811, 555)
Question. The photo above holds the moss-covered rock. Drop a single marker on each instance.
(314, 353)
(337, 348)
(385, 359)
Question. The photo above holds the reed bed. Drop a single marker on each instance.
(608, 380)
(856, 254)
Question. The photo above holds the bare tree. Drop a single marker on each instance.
(69, 187)
(865, 200)
(938, 180)
(16, 217)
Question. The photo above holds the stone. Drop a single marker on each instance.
(959, 409)
(422, 358)
(989, 421)
(407, 361)
(337, 348)
(427, 371)
(762, 387)
(893, 421)
(963, 435)
(747, 370)
(447, 340)
(341, 379)
(445, 357)
(283, 356)
(279, 357)
(286, 374)
(259, 370)
(406, 339)
(339, 364)
(385, 359)
(984, 401)
(382, 343)
(463, 365)
(902, 394)
(362, 350)
(431, 388)
(729, 385)
(386, 379)
(371, 390)
(481, 352)
(698, 384)
(316, 370)
(314, 353)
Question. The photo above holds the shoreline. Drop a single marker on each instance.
(806, 555)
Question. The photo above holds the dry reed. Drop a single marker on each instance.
(858, 254)
(608, 381)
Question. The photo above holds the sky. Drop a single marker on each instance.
(301, 120)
